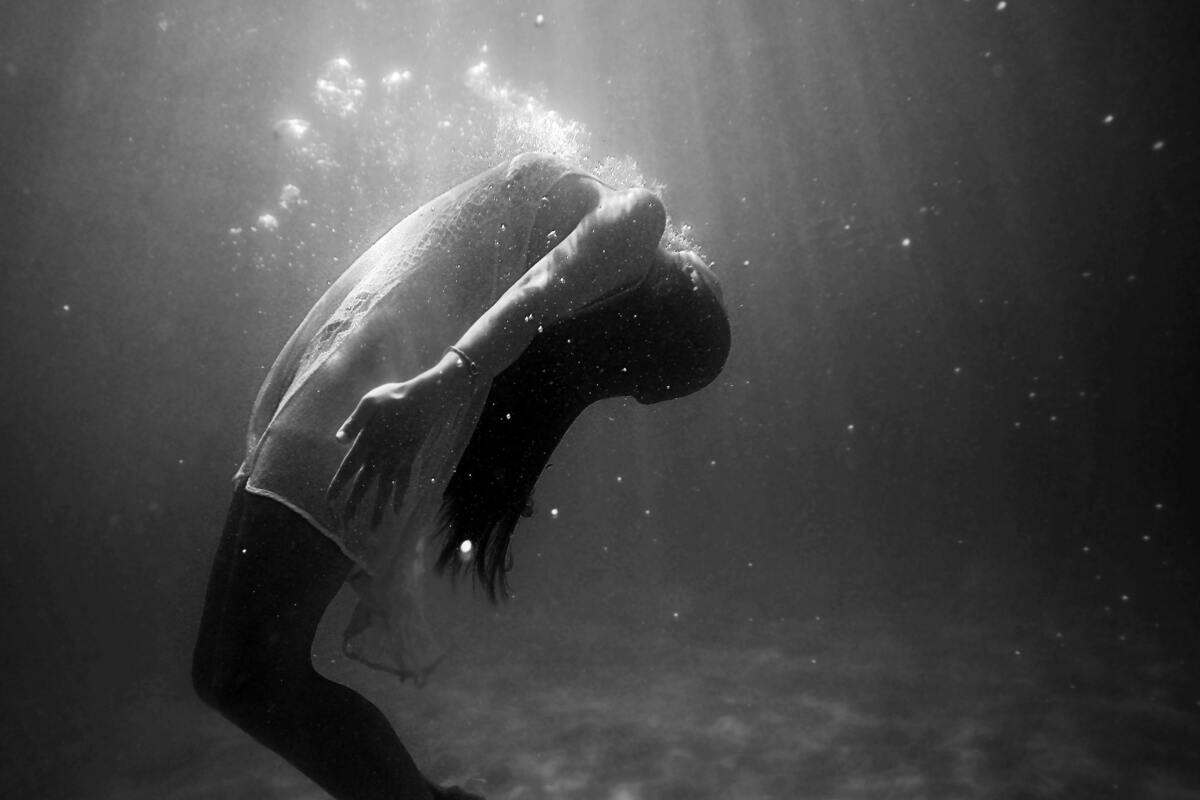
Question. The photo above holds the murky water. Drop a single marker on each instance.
(929, 536)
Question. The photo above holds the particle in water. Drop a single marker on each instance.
(339, 90)
(539, 20)
(1158, 506)
(267, 222)
(397, 78)
(619, 479)
(958, 370)
(906, 242)
(235, 231)
(850, 428)
(289, 196)
(292, 129)
(1109, 119)
(465, 547)
(646, 512)
(554, 513)
(1003, 4)
(1159, 145)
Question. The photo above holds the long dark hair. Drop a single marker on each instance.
(665, 338)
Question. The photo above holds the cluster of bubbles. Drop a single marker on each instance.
(366, 153)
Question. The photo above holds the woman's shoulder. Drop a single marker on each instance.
(538, 172)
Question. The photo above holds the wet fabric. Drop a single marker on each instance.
(390, 316)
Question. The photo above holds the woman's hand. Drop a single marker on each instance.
(387, 430)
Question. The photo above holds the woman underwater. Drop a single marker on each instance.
(533, 290)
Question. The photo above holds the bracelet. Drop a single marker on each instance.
(472, 367)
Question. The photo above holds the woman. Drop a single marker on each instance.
(532, 290)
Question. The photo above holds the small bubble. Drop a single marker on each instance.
(958, 370)
(396, 79)
(554, 513)
(1003, 4)
(1109, 119)
(906, 242)
(1159, 145)
(292, 129)
(539, 20)
(646, 512)
(289, 196)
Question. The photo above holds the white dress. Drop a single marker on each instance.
(390, 316)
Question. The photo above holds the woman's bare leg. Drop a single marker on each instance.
(272, 578)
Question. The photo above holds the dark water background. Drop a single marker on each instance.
(928, 536)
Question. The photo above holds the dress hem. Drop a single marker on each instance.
(311, 520)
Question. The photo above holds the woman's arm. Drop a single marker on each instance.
(611, 248)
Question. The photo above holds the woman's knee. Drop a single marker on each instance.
(237, 680)
(216, 683)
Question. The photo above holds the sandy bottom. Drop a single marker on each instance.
(789, 710)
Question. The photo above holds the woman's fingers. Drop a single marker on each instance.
(358, 490)
(400, 486)
(355, 422)
(385, 487)
(351, 464)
